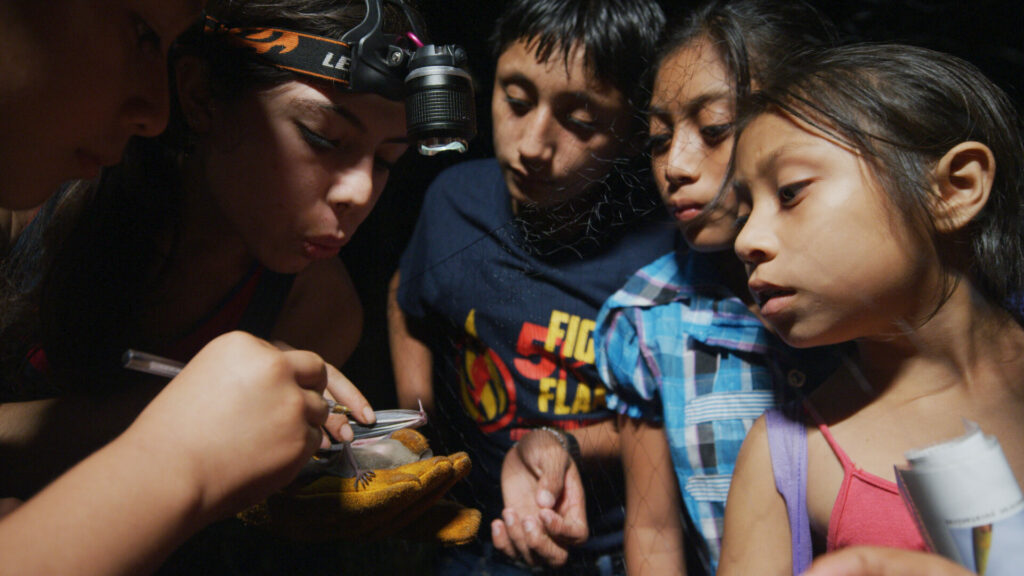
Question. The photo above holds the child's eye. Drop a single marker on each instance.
(787, 194)
(582, 124)
(741, 220)
(518, 105)
(317, 141)
(145, 35)
(716, 133)
(658, 143)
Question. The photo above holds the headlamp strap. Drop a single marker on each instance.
(315, 56)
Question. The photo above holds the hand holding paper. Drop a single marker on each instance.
(967, 502)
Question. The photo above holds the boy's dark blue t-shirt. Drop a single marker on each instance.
(511, 321)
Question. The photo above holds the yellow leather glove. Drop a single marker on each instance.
(403, 501)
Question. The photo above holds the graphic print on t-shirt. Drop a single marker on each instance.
(550, 362)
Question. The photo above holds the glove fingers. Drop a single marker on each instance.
(445, 522)
(331, 507)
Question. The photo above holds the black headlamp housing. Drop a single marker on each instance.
(431, 79)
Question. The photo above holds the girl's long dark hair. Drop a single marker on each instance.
(903, 108)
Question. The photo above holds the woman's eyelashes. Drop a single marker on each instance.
(382, 164)
(316, 140)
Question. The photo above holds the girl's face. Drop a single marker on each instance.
(295, 169)
(829, 258)
(556, 128)
(691, 127)
(79, 78)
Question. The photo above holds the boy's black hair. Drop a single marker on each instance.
(903, 108)
(620, 37)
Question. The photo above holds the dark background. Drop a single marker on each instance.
(985, 32)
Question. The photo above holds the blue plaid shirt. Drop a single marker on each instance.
(675, 346)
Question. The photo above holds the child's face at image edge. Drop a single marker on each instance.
(829, 259)
(297, 168)
(556, 129)
(691, 128)
(80, 78)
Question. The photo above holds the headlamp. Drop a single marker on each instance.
(432, 79)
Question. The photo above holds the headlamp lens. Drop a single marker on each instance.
(440, 110)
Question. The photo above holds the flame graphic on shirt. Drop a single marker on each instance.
(486, 386)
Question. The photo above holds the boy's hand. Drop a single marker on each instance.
(545, 510)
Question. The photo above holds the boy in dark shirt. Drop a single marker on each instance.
(496, 295)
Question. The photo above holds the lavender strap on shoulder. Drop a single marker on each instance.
(787, 441)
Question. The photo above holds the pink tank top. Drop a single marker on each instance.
(868, 510)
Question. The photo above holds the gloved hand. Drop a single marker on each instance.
(403, 499)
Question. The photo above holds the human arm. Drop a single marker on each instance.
(322, 312)
(42, 439)
(410, 356)
(757, 537)
(237, 423)
(868, 561)
(545, 503)
(654, 539)
(544, 494)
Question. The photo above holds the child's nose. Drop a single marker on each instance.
(755, 243)
(535, 144)
(685, 158)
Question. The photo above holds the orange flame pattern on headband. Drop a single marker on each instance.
(263, 41)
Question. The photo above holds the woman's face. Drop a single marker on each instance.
(79, 78)
(691, 139)
(297, 168)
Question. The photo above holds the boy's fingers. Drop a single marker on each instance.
(568, 530)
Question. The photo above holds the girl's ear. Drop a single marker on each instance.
(962, 181)
(193, 82)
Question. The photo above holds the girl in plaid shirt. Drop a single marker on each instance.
(689, 365)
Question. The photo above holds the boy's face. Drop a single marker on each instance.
(556, 128)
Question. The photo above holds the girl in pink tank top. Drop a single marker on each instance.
(882, 191)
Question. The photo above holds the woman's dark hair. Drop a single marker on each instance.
(903, 108)
(619, 37)
(114, 256)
